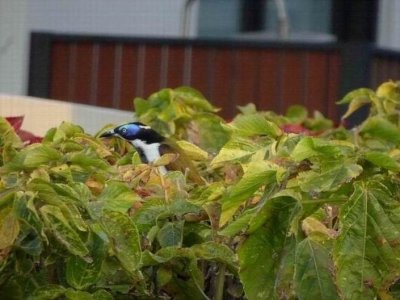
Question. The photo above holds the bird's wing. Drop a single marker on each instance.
(182, 163)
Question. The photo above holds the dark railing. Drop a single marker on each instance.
(111, 71)
(385, 65)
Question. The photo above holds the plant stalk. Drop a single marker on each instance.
(219, 287)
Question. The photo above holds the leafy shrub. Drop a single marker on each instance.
(293, 207)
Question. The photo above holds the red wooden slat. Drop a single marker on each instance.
(128, 76)
(317, 82)
(152, 70)
(268, 80)
(222, 63)
(246, 77)
(105, 75)
(81, 92)
(292, 79)
(176, 58)
(200, 67)
(333, 85)
(59, 71)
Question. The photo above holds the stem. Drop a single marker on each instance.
(219, 287)
(163, 185)
(323, 201)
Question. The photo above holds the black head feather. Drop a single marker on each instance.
(135, 131)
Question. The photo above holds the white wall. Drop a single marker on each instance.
(156, 18)
(389, 24)
(13, 46)
(116, 17)
(41, 114)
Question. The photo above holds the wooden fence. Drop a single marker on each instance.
(111, 71)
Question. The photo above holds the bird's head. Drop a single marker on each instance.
(135, 131)
(151, 146)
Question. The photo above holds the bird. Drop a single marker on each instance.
(151, 145)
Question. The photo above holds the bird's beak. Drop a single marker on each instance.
(108, 133)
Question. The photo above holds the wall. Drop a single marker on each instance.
(116, 17)
(103, 17)
(13, 46)
(219, 18)
(388, 35)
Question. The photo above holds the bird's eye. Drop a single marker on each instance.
(123, 130)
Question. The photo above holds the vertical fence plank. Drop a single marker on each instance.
(59, 71)
(72, 64)
(129, 67)
(317, 83)
(201, 69)
(222, 81)
(83, 68)
(292, 79)
(116, 98)
(152, 70)
(245, 77)
(269, 78)
(333, 85)
(105, 75)
(175, 70)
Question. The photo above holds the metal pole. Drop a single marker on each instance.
(186, 17)
(283, 19)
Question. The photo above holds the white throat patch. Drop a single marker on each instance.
(150, 151)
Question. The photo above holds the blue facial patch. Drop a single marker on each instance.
(128, 131)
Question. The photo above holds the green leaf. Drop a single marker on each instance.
(192, 151)
(367, 250)
(8, 135)
(313, 276)
(356, 100)
(48, 292)
(328, 179)
(208, 132)
(309, 147)
(154, 209)
(255, 124)
(78, 295)
(170, 234)
(363, 93)
(216, 252)
(102, 295)
(65, 197)
(239, 224)
(318, 122)
(62, 230)
(381, 129)
(9, 227)
(265, 256)
(124, 237)
(260, 258)
(164, 275)
(88, 161)
(141, 106)
(66, 130)
(258, 174)
(239, 148)
(117, 196)
(249, 108)
(32, 157)
(382, 160)
(297, 114)
(80, 273)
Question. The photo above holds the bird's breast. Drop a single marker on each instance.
(149, 153)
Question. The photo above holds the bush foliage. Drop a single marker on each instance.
(292, 207)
